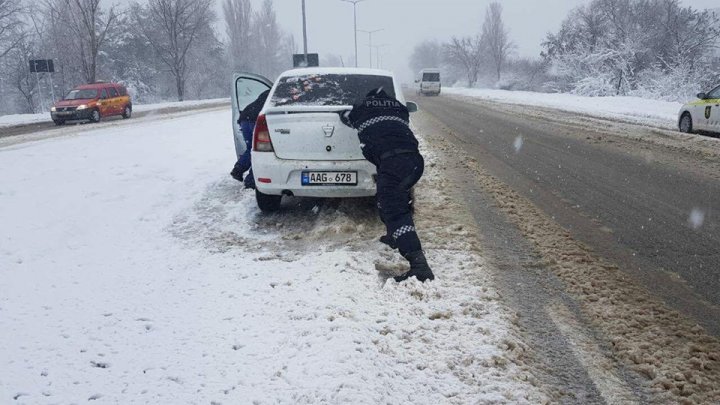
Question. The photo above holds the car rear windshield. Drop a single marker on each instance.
(328, 89)
(81, 94)
(431, 77)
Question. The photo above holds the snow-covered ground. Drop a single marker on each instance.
(12, 120)
(657, 113)
(134, 270)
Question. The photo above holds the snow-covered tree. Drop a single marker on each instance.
(238, 21)
(495, 38)
(171, 27)
(466, 54)
(208, 68)
(269, 38)
(89, 25)
(427, 54)
(18, 76)
(614, 47)
(10, 25)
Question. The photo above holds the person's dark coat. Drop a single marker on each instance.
(252, 111)
(383, 126)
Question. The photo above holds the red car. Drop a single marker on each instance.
(92, 102)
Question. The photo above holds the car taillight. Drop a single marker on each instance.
(261, 136)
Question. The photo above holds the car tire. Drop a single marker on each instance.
(685, 124)
(59, 122)
(95, 116)
(127, 112)
(268, 203)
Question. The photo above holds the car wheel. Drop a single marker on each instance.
(127, 112)
(95, 116)
(267, 203)
(686, 123)
(59, 122)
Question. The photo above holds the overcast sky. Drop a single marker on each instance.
(405, 23)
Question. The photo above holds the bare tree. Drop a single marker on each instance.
(89, 25)
(19, 76)
(171, 27)
(427, 54)
(268, 39)
(465, 53)
(10, 23)
(495, 37)
(238, 19)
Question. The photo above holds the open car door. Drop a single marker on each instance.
(246, 88)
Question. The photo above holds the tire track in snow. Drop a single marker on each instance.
(453, 334)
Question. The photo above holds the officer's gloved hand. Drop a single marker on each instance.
(345, 118)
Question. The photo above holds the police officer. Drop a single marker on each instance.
(388, 143)
(247, 125)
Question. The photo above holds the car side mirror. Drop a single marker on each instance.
(417, 81)
(412, 107)
(702, 96)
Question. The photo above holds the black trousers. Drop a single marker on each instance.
(396, 177)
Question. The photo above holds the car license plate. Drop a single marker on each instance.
(329, 178)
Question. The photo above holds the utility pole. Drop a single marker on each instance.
(377, 54)
(354, 3)
(370, 34)
(305, 47)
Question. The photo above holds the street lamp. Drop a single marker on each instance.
(377, 54)
(304, 31)
(370, 34)
(354, 3)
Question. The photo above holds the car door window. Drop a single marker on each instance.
(248, 88)
(103, 94)
(112, 92)
(714, 94)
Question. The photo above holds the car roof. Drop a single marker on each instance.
(95, 86)
(337, 71)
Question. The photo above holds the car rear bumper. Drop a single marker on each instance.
(71, 115)
(285, 177)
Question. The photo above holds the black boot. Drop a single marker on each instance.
(388, 240)
(418, 267)
(236, 175)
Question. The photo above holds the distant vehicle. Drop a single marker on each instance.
(300, 146)
(429, 82)
(92, 102)
(701, 115)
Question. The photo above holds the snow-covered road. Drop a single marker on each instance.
(134, 270)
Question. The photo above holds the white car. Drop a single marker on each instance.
(300, 145)
(701, 115)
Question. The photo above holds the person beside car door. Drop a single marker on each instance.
(388, 142)
(246, 121)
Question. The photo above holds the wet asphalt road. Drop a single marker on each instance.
(655, 218)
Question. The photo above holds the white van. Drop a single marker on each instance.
(430, 82)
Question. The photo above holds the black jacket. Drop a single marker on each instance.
(251, 112)
(383, 126)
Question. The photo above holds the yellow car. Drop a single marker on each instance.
(701, 115)
(92, 102)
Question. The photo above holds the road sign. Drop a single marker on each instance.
(313, 60)
(42, 65)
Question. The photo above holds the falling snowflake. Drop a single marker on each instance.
(518, 144)
(697, 218)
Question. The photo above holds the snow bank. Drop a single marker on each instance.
(12, 120)
(134, 269)
(642, 111)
